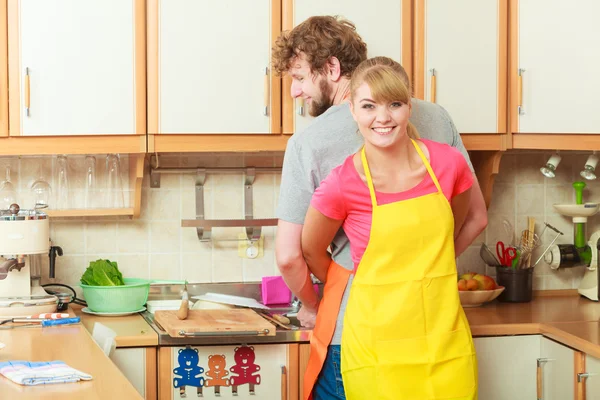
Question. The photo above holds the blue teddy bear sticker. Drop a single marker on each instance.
(188, 372)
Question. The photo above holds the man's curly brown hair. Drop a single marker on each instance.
(320, 38)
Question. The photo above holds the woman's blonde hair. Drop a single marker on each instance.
(388, 82)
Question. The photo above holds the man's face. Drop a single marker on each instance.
(315, 89)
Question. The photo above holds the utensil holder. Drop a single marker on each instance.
(518, 284)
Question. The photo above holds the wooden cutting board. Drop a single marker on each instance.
(219, 322)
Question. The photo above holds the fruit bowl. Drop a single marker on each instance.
(475, 298)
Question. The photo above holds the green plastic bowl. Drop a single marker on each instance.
(113, 299)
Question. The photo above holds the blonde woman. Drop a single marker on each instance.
(401, 201)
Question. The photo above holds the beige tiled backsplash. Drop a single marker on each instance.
(521, 191)
(155, 246)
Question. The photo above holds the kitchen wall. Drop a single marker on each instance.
(155, 246)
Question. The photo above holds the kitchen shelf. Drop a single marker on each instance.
(165, 143)
(533, 141)
(96, 212)
(486, 165)
(478, 142)
(136, 175)
(50, 145)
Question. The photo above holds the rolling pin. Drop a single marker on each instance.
(182, 313)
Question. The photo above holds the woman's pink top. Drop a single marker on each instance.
(344, 196)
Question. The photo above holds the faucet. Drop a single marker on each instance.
(296, 303)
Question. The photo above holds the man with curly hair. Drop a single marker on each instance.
(320, 55)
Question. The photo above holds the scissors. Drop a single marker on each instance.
(506, 255)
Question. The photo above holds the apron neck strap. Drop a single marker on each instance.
(428, 166)
(365, 164)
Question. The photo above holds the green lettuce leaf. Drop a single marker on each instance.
(102, 273)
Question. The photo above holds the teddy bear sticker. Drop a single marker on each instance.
(188, 372)
(215, 376)
(244, 369)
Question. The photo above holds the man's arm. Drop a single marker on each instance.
(291, 264)
(318, 233)
(475, 222)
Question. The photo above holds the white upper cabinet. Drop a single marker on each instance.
(209, 67)
(557, 51)
(461, 61)
(385, 28)
(76, 67)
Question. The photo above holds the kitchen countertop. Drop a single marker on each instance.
(73, 345)
(563, 316)
(132, 330)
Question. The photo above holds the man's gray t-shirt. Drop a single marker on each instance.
(332, 137)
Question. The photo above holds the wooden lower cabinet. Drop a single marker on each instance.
(262, 371)
(525, 367)
(138, 364)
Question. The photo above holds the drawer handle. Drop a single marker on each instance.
(585, 375)
(284, 382)
(540, 375)
(27, 97)
(225, 333)
(433, 86)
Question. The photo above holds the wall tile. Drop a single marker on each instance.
(133, 237)
(165, 237)
(157, 247)
(70, 236)
(197, 267)
(528, 165)
(165, 266)
(529, 199)
(100, 237)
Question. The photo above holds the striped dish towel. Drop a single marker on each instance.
(40, 373)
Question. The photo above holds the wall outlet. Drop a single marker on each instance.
(250, 249)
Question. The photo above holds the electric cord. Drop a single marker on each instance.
(75, 300)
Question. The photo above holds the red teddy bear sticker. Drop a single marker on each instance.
(215, 376)
(244, 369)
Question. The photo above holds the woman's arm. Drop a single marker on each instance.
(317, 235)
(460, 208)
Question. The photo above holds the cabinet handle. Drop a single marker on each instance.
(267, 93)
(433, 88)
(284, 381)
(27, 100)
(300, 105)
(585, 375)
(540, 375)
(520, 92)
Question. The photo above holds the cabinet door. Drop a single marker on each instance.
(253, 372)
(592, 382)
(507, 367)
(132, 363)
(211, 67)
(76, 67)
(557, 367)
(385, 28)
(464, 67)
(3, 71)
(557, 51)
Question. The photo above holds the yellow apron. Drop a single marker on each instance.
(405, 333)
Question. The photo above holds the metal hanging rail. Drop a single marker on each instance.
(204, 226)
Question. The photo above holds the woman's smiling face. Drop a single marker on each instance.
(381, 123)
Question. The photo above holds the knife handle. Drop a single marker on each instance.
(63, 321)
